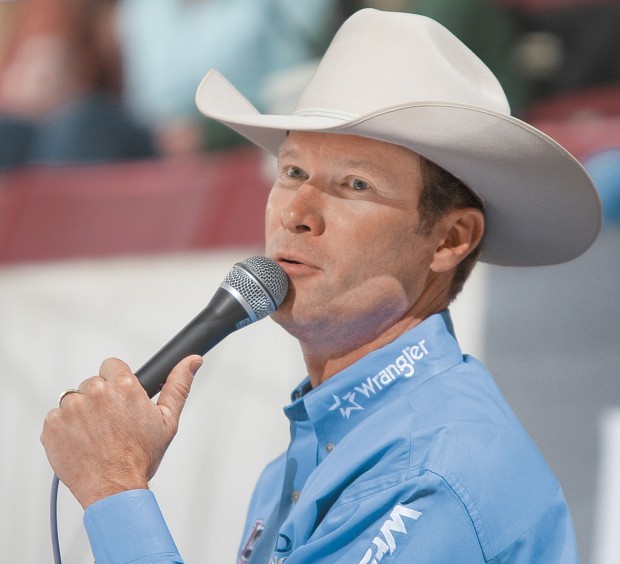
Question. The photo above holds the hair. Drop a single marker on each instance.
(441, 193)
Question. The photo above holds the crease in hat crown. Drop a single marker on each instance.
(365, 73)
(405, 79)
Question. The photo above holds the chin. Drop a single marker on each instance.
(300, 325)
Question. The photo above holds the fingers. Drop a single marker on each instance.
(176, 389)
(114, 374)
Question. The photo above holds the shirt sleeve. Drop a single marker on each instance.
(129, 527)
(422, 520)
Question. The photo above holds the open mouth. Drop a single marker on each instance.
(289, 261)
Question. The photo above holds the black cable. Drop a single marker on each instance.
(54, 519)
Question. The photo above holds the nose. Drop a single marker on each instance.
(304, 212)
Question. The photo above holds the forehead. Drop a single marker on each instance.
(379, 156)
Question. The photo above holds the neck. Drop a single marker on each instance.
(325, 360)
(332, 352)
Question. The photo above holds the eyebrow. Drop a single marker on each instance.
(287, 153)
(344, 161)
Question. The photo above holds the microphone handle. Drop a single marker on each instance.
(222, 316)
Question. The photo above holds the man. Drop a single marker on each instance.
(402, 448)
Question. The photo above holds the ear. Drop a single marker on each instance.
(459, 233)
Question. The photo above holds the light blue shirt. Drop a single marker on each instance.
(409, 455)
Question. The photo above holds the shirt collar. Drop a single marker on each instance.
(347, 398)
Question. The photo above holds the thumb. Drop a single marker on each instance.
(176, 389)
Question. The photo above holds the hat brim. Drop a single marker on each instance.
(541, 205)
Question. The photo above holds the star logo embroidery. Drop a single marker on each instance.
(352, 405)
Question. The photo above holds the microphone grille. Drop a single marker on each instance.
(261, 282)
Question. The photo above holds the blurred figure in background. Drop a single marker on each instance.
(567, 46)
(167, 44)
(115, 79)
(60, 80)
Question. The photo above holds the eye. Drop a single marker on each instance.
(358, 184)
(294, 172)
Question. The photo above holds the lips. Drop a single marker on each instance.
(292, 259)
(293, 264)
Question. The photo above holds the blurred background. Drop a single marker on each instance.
(122, 209)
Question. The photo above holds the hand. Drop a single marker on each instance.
(110, 437)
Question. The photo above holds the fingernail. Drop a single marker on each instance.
(194, 366)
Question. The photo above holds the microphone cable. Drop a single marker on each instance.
(54, 520)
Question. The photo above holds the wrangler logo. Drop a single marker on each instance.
(384, 542)
(349, 407)
(403, 365)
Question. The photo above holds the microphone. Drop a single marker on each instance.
(252, 290)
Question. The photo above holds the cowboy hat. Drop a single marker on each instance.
(405, 79)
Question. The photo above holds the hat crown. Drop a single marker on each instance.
(378, 60)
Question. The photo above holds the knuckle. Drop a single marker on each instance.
(51, 418)
(112, 368)
(92, 386)
(183, 389)
(50, 424)
(125, 383)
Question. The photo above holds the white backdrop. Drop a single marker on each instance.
(60, 319)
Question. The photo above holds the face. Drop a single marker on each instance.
(342, 221)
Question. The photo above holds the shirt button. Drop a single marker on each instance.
(295, 496)
(329, 447)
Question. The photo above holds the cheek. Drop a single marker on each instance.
(380, 239)
(391, 250)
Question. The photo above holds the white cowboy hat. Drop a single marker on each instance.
(405, 79)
